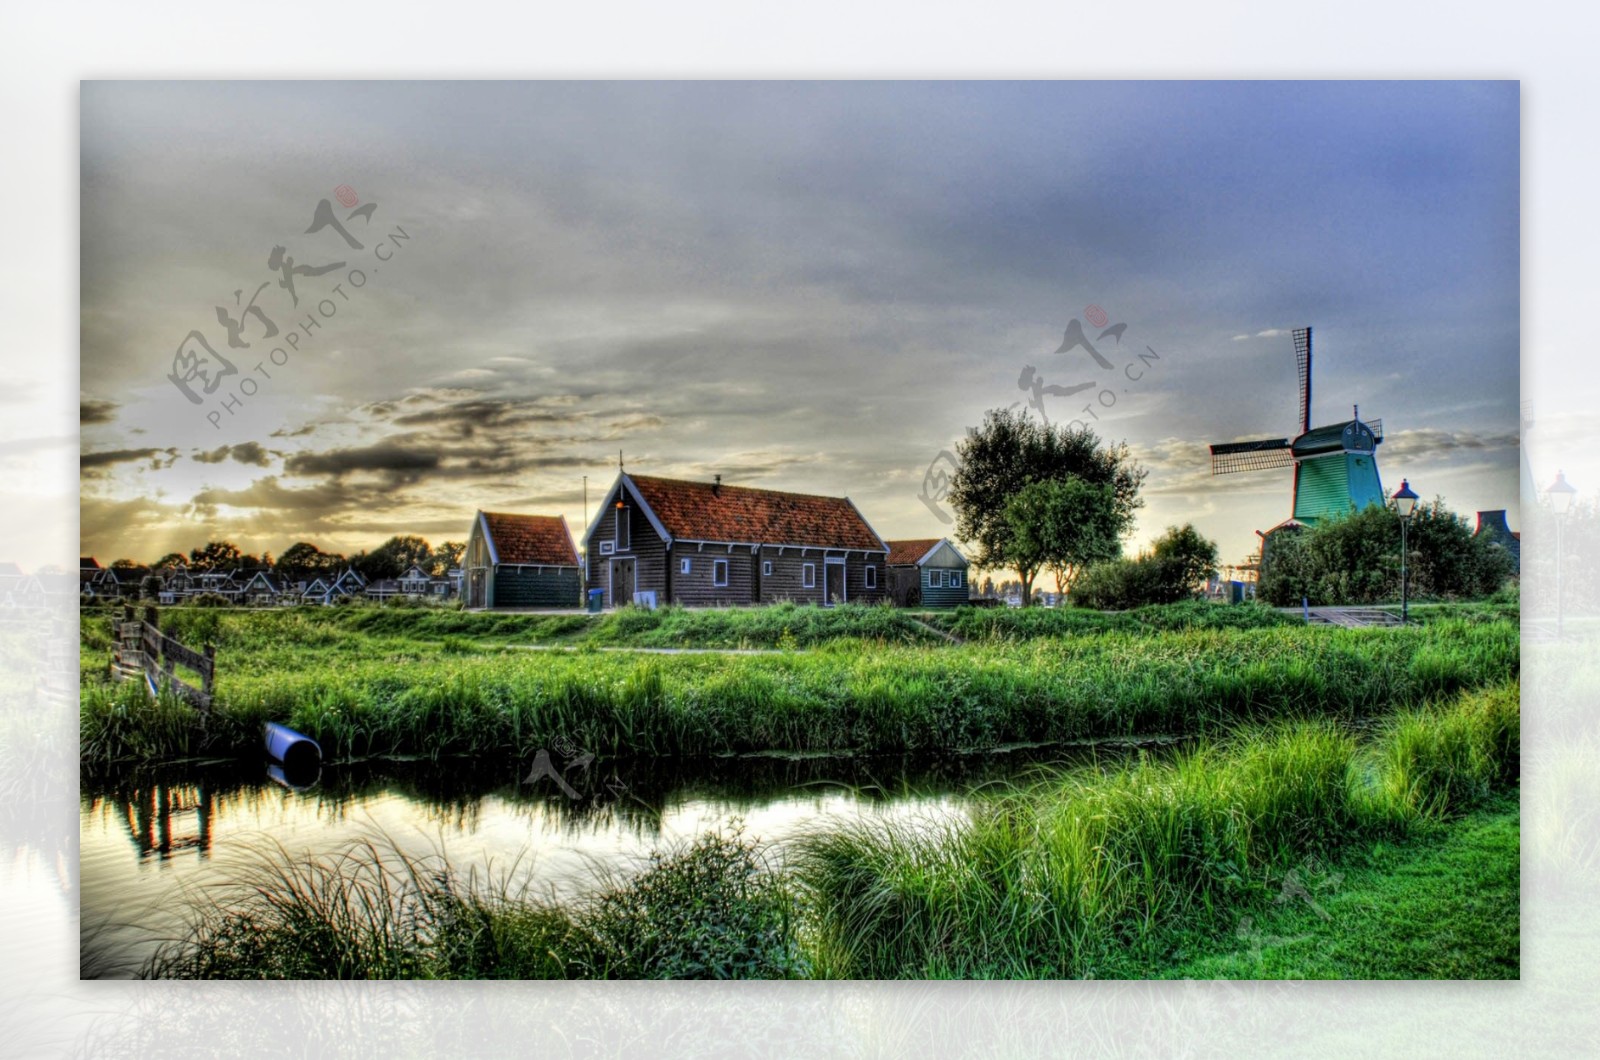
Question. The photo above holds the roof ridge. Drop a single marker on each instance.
(732, 486)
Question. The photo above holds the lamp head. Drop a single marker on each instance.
(1561, 494)
(1405, 500)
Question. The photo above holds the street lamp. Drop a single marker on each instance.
(1560, 494)
(1405, 502)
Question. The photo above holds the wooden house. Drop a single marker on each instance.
(262, 589)
(414, 582)
(709, 545)
(927, 572)
(521, 561)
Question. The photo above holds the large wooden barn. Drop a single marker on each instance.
(706, 544)
(927, 572)
(521, 561)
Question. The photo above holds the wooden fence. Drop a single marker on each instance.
(144, 652)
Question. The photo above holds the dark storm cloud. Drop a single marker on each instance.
(717, 270)
(253, 453)
(158, 458)
(96, 410)
(383, 457)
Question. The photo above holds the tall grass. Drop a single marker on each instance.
(1051, 881)
(712, 910)
(362, 696)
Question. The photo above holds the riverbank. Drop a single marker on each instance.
(362, 694)
(1205, 863)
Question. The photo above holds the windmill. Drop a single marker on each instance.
(1335, 467)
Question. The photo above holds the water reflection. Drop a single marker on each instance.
(154, 842)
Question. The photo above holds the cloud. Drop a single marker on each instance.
(1269, 333)
(253, 453)
(1430, 441)
(109, 457)
(96, 410)
(382, 457)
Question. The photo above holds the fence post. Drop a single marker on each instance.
(211, 669)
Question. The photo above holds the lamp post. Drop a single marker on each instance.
(1560, 494)
(1405, 502)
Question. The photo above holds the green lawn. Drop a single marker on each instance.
(1442, 905)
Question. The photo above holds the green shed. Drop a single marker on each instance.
(521, 561)
(927, 572)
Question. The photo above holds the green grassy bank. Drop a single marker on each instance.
(363, 694)
(1147, 869)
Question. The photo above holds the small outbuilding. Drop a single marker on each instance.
(927, 572)
(521, 561)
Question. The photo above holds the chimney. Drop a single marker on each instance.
(1494, 523)
(716, 486)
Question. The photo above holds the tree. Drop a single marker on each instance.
(1012, 451)
(171, 561)
(1063, 525)
(1187, 559)
(396, 555)
(217, 555)
(123, 564)
(446, 557)
(304, 556)
(1355, 559)
(1178, 562)
(150, 588)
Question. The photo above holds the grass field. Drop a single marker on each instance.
(396, 681)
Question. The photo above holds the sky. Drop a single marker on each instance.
(807, 286)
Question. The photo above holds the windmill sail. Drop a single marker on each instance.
(1258, 455)
(1302, 360)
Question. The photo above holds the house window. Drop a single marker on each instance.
(936, 579)
(683, 565)
(766, 568)
(872, 577)
(955, 579)
(607, 547)
(719, 572)
(808, 576)
(622, 528)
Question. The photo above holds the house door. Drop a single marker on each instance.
(622, 577)
(833, 584)
(477, 588)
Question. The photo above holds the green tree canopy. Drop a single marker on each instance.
(217, 555)
(447, 556)
(1012, 451)
(1063, 525)
(1355, 559)
(1175, 568)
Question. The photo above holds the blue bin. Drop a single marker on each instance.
(597, 600)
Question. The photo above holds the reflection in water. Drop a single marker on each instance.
(196, 827)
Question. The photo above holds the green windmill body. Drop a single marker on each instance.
(1335, 467)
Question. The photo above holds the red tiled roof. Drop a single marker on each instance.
(902, 553)
(531, 539)
(699, 511)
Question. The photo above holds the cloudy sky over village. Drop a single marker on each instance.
(813, 287)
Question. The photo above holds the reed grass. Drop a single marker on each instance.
(710, 910)
(360, 695)
(1057, 881)
(1064, 877)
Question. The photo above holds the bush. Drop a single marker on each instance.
(1173, 570)
(1356, 559)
